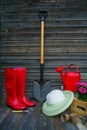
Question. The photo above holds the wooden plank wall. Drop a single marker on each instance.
(65, 38)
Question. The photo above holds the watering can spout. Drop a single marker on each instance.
(59, 70)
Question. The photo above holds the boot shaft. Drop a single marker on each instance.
(21, 82)
(10, 82)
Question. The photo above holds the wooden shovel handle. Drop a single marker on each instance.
(42, 43)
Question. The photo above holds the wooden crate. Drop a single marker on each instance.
(79, 107)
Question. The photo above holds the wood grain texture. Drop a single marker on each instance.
(32, 120)
(65, 39)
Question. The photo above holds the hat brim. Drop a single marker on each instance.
(53, 110)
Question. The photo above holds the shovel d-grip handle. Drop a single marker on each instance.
(42, 15)
(68, 67)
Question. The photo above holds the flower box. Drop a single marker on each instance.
(79, 107)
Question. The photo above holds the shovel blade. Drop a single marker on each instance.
(40, 92)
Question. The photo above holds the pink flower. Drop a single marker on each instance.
(78, 83)
(82, 90)
(84, 84)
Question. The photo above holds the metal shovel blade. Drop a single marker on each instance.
(40, 91)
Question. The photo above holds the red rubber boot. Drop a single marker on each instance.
(10, 85)
(21, 78)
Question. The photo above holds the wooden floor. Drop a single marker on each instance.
(34, 119)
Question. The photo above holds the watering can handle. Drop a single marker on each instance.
(67, 69)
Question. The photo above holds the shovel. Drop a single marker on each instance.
(41, 88)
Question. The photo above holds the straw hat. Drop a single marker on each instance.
(56, 102)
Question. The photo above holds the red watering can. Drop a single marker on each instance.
(69, 78)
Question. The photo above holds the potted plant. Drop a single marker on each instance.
(82, 91)
(79, 104)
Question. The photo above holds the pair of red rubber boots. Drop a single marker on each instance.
(15, 79)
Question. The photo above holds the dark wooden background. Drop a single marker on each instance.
(65, 39)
